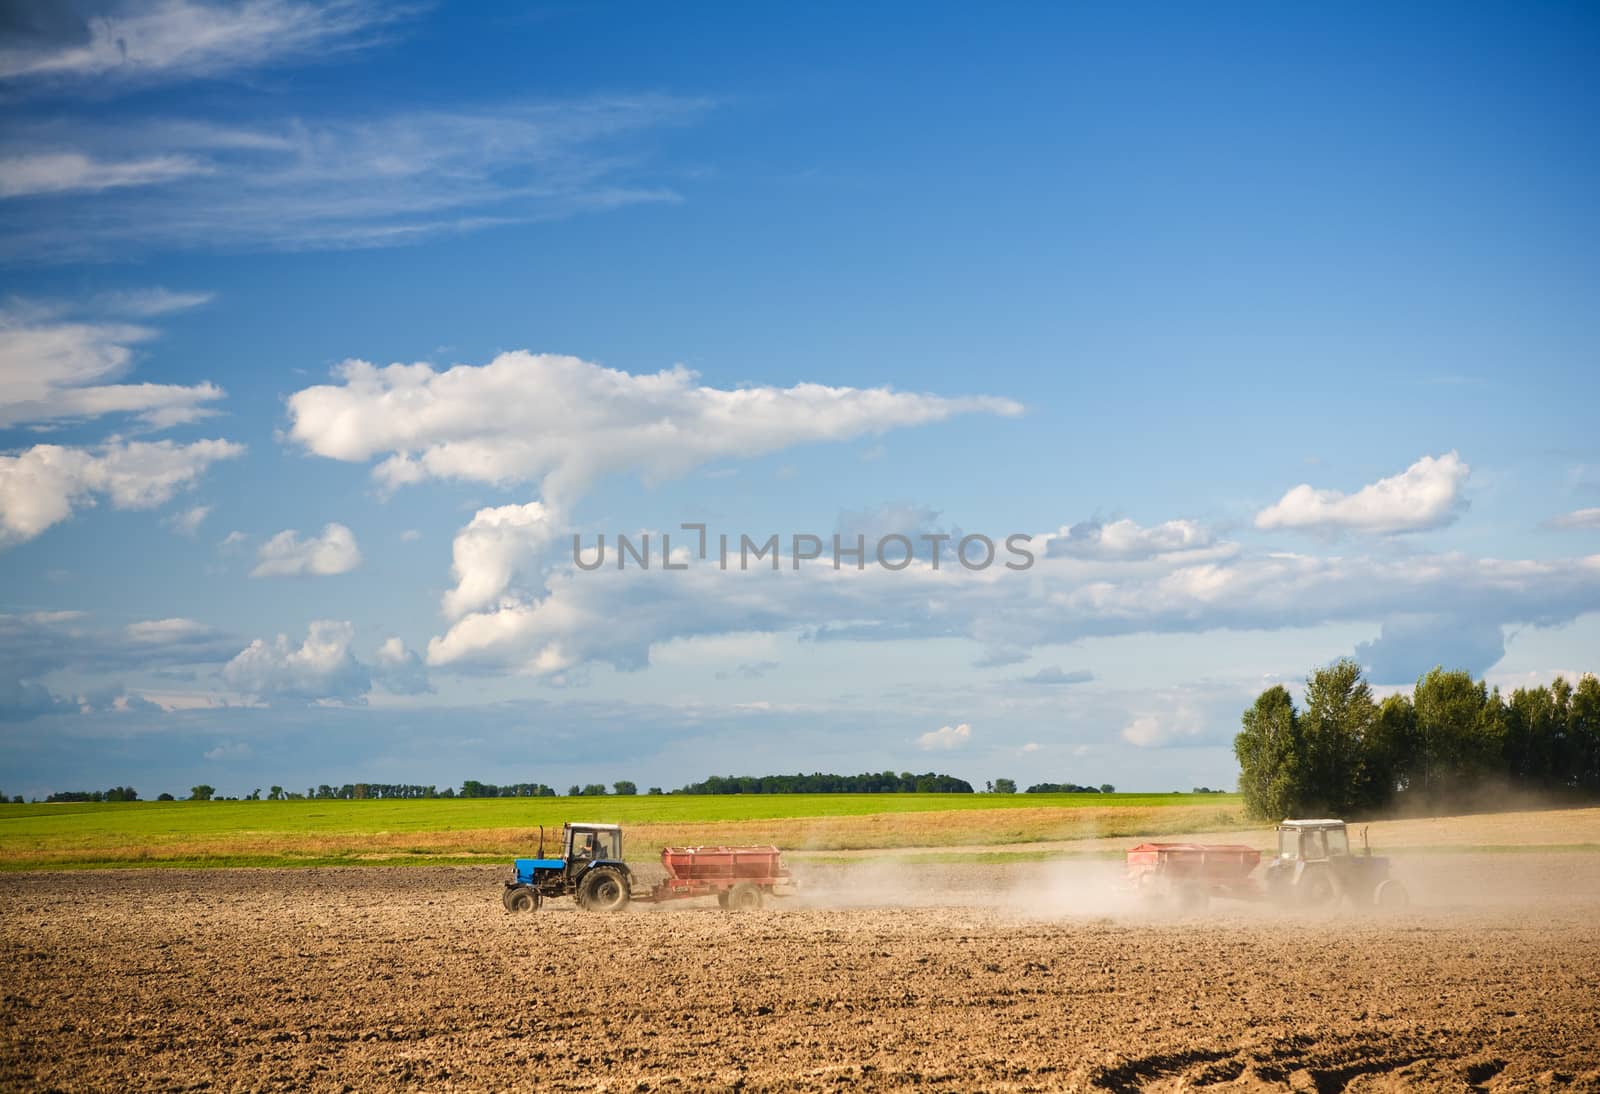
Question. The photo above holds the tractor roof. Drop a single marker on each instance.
(1327, 823)
(596, 827)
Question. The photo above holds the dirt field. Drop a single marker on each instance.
(983, 977)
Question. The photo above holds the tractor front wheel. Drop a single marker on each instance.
(744, 897)
(521, 899)
(603, 890)
(1391, 896)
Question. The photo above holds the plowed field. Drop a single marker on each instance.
(962, 977)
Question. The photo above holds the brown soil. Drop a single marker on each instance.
(1009, 977)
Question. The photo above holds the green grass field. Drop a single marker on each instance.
(440, 831)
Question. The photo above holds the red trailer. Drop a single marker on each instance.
(739, 877)
(1193, 872)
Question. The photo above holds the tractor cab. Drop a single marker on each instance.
(1314, 865)
(1312, 841)
(583, 845)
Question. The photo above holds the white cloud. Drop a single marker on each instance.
(1178, 723)
(175, 39)
(147, 303)
(1031, 746)
(287, 555)
(489, 551)
(946, 738)
(51, 370)
(188, 521)
(308, 182)
(565, 422)
(1428, 494)
(76, 172)
(1578, 518)
(399, 670)
(1125, 539)
(321, 667)
(42, 485)
(229, 750)
(1054, 675)
(410, 535)
(619, 616)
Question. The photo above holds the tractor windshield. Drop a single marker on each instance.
(1288, 843)
(1338, 842)
(597, 845)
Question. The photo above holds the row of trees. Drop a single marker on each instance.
(115, 794)
(1452, 741)
(885, 782)
(1069, 788)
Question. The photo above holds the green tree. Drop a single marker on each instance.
(1456, 731)
(1333, 731)
(1390, 753)
(594, 790)
(625, 788)
(1005, 786)
(275, 794)
(201, 793)
(1107, 788)
(1268, 750)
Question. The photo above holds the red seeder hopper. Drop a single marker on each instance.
(739, 877)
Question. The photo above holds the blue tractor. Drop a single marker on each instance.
(590, 870)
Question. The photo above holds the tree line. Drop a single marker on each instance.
(1452, 741)
(885, 782)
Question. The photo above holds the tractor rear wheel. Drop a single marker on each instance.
(603, 890)
(1316, 889)
(744, 897)
(521, 899)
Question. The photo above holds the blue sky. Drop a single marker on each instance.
(1273, 330)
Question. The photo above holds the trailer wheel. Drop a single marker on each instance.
(744, 897)
(1391, 896)
(521, 899)
(603, 890)
(722, 900)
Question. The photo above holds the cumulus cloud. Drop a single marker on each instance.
(1578, 518)
(1125, 539)
(53, 369)
(617, 616)
(37, 644)
(1175, 725)
(399, 670)
(1407, 647)
(1053, 675)
(1428, 494)
(174, 39)
(946, 738)
(321, 667)
(287, 555)
(564, 422)
(489, 551)
(42, 485)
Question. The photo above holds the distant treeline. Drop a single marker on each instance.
(115, 794)
(1069, 788)
(886, 782)
(1452, 741)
